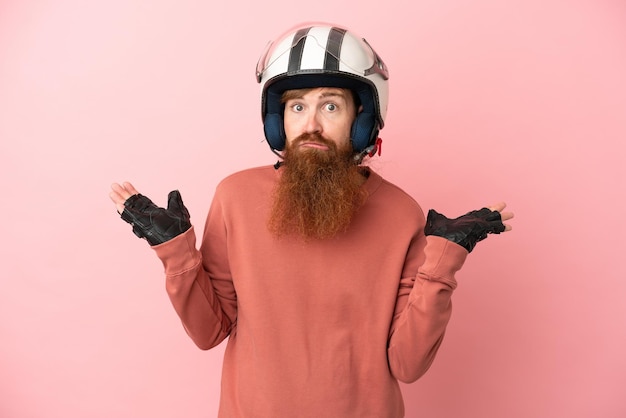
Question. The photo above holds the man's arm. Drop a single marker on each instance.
(424, 306)
(205, 303)
(207, 311)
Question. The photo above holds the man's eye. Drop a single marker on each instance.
(297, 107)
(331, 107)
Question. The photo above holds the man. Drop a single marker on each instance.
(328, 281)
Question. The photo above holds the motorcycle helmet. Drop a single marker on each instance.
(323, 55)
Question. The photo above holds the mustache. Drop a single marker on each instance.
(314, 137)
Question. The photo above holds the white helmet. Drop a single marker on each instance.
(323, 55)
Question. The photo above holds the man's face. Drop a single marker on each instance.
(319, 190)
(327, 112)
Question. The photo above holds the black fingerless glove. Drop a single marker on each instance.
(153, 223)
(465, 230)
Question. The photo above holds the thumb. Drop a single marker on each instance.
(175, 203)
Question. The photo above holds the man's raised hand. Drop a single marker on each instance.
(469, 229)
(157, 225)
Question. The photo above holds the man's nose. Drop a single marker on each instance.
(312, 123)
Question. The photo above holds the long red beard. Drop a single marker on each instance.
(319, 191)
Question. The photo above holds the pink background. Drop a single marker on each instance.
(523, 101)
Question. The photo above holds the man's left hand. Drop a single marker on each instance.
(470, 228)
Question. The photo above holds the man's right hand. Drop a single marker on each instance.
(157, 225)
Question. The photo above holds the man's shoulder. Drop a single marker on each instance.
(248, 178)
(252, 172)
(391, 192)
(386, 186)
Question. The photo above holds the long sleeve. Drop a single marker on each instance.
(423, 308)
(199, 282)
(200, 288)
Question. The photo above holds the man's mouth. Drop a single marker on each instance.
(315, 145)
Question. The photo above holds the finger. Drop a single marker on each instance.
(120, 193)
(118, 200)
(506, 215)
(130, 188)
(120, 190)
(125, 190)
(174, 201)
(497, 207)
